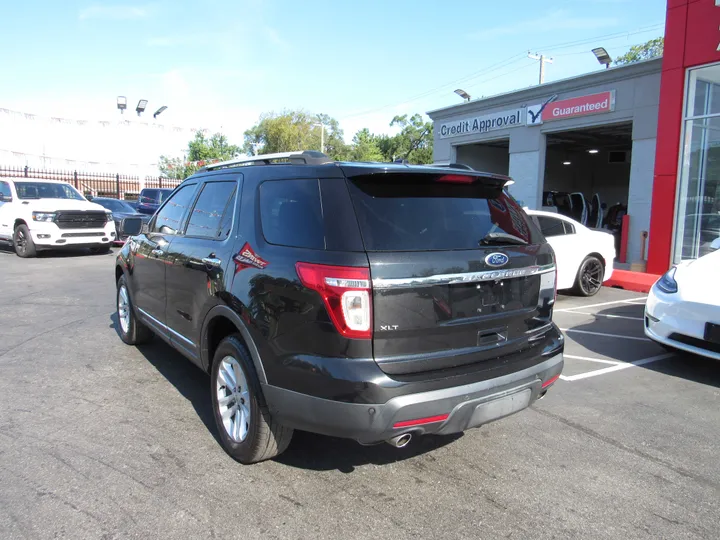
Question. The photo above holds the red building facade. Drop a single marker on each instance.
(685, 213)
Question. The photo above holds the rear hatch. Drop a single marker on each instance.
(459, 273)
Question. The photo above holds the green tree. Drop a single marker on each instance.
(200, 150)
(295, 130)
(414, 143)
(176, 168)
(365, 147)
(216, 147)
(651, 49)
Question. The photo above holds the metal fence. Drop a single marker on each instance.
(118, 186)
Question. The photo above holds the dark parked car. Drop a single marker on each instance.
(120, 210)
(371, 301)
(150, 200)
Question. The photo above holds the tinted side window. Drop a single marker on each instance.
(550, 226)
(291, 213)
(169, 219)
(213, 207)
(5, 189)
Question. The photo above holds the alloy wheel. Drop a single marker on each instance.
(124, 309)
(591, 278)
(20, 241)
(233, 398)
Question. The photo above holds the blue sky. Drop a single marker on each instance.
(220, 63)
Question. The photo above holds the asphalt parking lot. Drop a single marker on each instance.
(102, 440)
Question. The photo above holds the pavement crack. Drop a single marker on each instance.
(638, 453)
(41, 334)
(673, 521)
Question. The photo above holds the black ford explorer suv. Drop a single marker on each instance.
(372, 301)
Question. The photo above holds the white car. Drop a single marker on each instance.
(682, 310)
(584, 257)
(46, 214)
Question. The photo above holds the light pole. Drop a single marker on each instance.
(159, 111)
(322, 136)
(463, 94)
(142, 104)
(602, 56)
(121, 104)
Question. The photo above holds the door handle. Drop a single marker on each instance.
(157, 252)
(211, 261)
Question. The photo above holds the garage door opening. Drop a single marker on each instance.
(587, 175)
(491, 156)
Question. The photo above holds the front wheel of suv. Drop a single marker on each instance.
(247, 430)
(132, 331)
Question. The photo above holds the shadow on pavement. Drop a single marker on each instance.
(683, 365)
(320, 453)
(307, 450)
(185, 376)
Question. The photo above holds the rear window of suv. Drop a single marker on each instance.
(416, 212)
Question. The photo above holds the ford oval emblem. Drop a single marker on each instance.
(496, 260)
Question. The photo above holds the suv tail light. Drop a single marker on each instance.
(346, 293)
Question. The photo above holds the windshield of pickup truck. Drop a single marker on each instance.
(46, 190)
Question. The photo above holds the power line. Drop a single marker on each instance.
(508, 61)
(511, 60)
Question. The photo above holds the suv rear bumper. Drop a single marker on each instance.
(466, 406)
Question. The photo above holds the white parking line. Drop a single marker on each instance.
(608, 316)
(604, 334)
(628, 301)
(600, 360)
(620, 366)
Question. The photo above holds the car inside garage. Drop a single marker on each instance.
(587, 175)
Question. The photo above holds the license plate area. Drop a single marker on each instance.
(712, 333)
(467, 300)
(500, 408)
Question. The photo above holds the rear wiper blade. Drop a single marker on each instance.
(501, 238)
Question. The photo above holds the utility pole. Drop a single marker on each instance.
(543, 60)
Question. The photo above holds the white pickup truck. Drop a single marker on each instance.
(46, 214)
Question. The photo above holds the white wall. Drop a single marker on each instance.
(525, 170)
(640, 195)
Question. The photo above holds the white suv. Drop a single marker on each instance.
(45, 214)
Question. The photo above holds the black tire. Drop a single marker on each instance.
(100, 250)
(265, 437)
(590, 276)
(23, 242)
(136, 332)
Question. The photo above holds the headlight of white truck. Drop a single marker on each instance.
(43, 216)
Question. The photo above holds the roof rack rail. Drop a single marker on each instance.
(307, 157)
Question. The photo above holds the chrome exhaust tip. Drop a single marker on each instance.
(542, 395)
(400, 441)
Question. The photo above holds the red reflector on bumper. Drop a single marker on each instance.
(550, 381)
(420, 421)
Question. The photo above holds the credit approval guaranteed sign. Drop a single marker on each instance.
(603, 102)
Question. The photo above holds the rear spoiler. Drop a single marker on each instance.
(451, 173)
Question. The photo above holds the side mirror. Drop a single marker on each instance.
(131, 226)
(5, 198)
(715, 244)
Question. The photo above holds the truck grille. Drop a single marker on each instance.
(81, 220)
